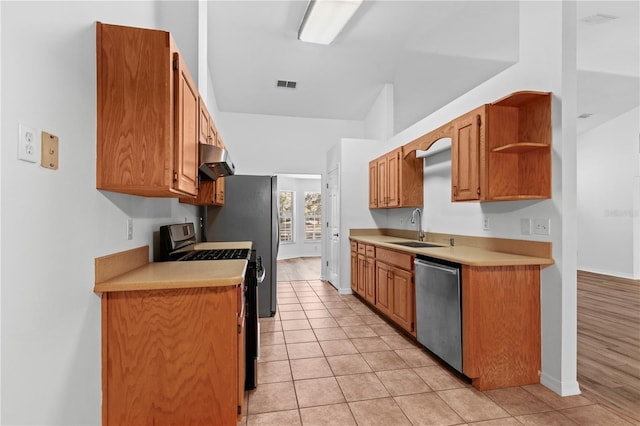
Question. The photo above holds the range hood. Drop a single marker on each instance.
(214, 162)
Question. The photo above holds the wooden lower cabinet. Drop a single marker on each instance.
(384, 288)
(354, 266)
(404, 298)
(173, 356)
(501, 325)
(500, 313)
(370, 280)
(363, 271)
(394, 287)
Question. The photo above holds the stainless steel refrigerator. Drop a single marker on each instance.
(250, 213)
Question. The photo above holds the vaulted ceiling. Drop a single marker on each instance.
(431, 51)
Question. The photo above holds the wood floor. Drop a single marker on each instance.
(299, 269)
(608, 335)
(609, 342)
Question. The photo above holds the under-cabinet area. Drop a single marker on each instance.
(499, 299)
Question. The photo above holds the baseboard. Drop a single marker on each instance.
(559, 387)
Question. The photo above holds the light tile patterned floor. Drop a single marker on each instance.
(328, 359)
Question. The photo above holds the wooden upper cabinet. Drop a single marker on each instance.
(396, 180)
(393, 181)
(186, 149)
(373, 184)
(465, 156)
(502, 151)
(204, 120)
(147, 114)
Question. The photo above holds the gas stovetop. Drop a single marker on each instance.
(219, 254)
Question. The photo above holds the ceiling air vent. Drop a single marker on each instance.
(585, 115)
(286, 84)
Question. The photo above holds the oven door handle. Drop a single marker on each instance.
(260, 271)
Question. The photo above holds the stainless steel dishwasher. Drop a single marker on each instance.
(438, 309)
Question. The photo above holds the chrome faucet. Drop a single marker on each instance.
(413, 220)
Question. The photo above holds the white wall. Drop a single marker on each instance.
(268, 144)
(54, 223)
(608, 171)
(299, 185)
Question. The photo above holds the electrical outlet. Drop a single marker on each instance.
(486, 224)
(129, 229)
(525, 226)
(27, 147)
(542, 226)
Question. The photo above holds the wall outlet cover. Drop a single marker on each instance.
(27, 146)
(542, 226)
(486, 223)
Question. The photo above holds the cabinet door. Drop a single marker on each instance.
(393, 179)
(384, 288)
(373, 184)
(354, 268)
(403, 300)
(361, 275)
(465, 158)
(185, 173)
(203, 123)
(382, 182)
(370, 280)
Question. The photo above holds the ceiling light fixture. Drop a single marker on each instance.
(324, 19)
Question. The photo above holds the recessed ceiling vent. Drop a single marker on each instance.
(585, 115)
(597, 19)
(286, 84)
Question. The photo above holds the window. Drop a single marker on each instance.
(312, 216)
(286, 216)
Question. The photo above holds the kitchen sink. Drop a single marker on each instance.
(416, 244)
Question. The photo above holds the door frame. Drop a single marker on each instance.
(332, 273)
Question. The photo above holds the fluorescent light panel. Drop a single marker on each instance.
(324, 19)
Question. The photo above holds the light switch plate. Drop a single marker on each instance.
(49, 156)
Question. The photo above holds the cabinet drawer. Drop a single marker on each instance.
(361, 248)
(370, 251)
(401, 260)
(354, 246)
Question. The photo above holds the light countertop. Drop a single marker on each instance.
(175, 275)
(472, 256)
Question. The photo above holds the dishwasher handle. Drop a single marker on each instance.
(446, 269)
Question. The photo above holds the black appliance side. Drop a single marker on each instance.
(250, 213)
(251, 332)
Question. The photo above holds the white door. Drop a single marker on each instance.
(334, 228)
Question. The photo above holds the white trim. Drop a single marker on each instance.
(561, 388)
